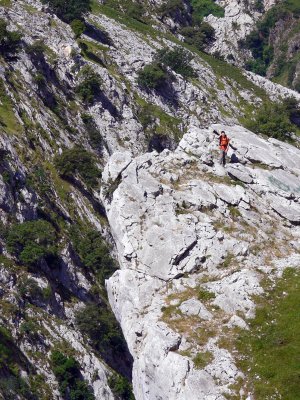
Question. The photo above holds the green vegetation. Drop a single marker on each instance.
(171, 8)
(120, 387)
(272, 345)
(67, 372)
(178, 60)
(12, 361)
(157, 123)
(275, 119)
(95, 136)
(199, 36)
(37, 48)
(90, 85)
(203, 8)
(93, 252)
(259, 40)
(78, 27)
(32, 241)
(69, 10)
(78, 162)
(9, 41)
(99, 324)
(129, 8)
(8, 119)
(205, 295)
(152, 76)
(202, 359)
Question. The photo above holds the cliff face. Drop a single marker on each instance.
(103, 178)
(194, 244)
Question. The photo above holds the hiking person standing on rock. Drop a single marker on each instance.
(224, 144)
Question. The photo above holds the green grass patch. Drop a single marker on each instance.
(8, 119)
(202, 359)
(5, 3)
(205, 295)
(272, 345)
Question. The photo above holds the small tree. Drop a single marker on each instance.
(89, 87)
(199, 36)
(78, 27)
(78, 161)
(178, 60)
(70, 9)
(31, 241)
(9, 41)
(152, 76)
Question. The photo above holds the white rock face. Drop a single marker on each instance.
(238, 21)
(186, 237)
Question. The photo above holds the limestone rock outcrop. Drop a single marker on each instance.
(186, 228)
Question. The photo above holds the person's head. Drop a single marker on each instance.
(223, 133)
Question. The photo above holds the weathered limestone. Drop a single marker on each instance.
(176, 220)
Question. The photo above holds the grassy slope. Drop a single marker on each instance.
(271, 347)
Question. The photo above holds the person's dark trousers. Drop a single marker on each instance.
(223, 157)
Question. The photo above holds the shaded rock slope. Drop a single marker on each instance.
(102, 179)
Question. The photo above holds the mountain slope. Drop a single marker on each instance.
(78, 128)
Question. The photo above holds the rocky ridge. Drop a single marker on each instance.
(143, 196)
(183, 225)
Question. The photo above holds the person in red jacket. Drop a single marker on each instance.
(224, 144)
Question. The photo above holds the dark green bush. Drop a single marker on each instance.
(9, 41)
(178, 60)
(273, 120)
(78, 27)
(37, 48)
(96, 139)
(152, 76)
(198, 36)
(67, 372)
(120, 387)
(93, 252)
(78, 162)
(171, 8)
(99, 324)
(31, 241)
(70, 9)
(203, 8)
(12, 386)
(89, 87)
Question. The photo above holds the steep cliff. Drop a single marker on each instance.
(109, 171)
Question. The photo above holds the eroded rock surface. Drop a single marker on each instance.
(194, 241)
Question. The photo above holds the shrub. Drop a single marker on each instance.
(203, 8)
(120, 387)
(89, 87)
(199, 36)
(37, 48)
(67, 372)
(69, 10)
(93, 252)
(152, 76)
(31, 241)
(9, 41)
(78, 161)
(96, 139)
(178, 60)
(171, 8)
(78, 27)
(99, 324)
(273, 120)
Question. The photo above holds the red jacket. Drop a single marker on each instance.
(224, 142)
